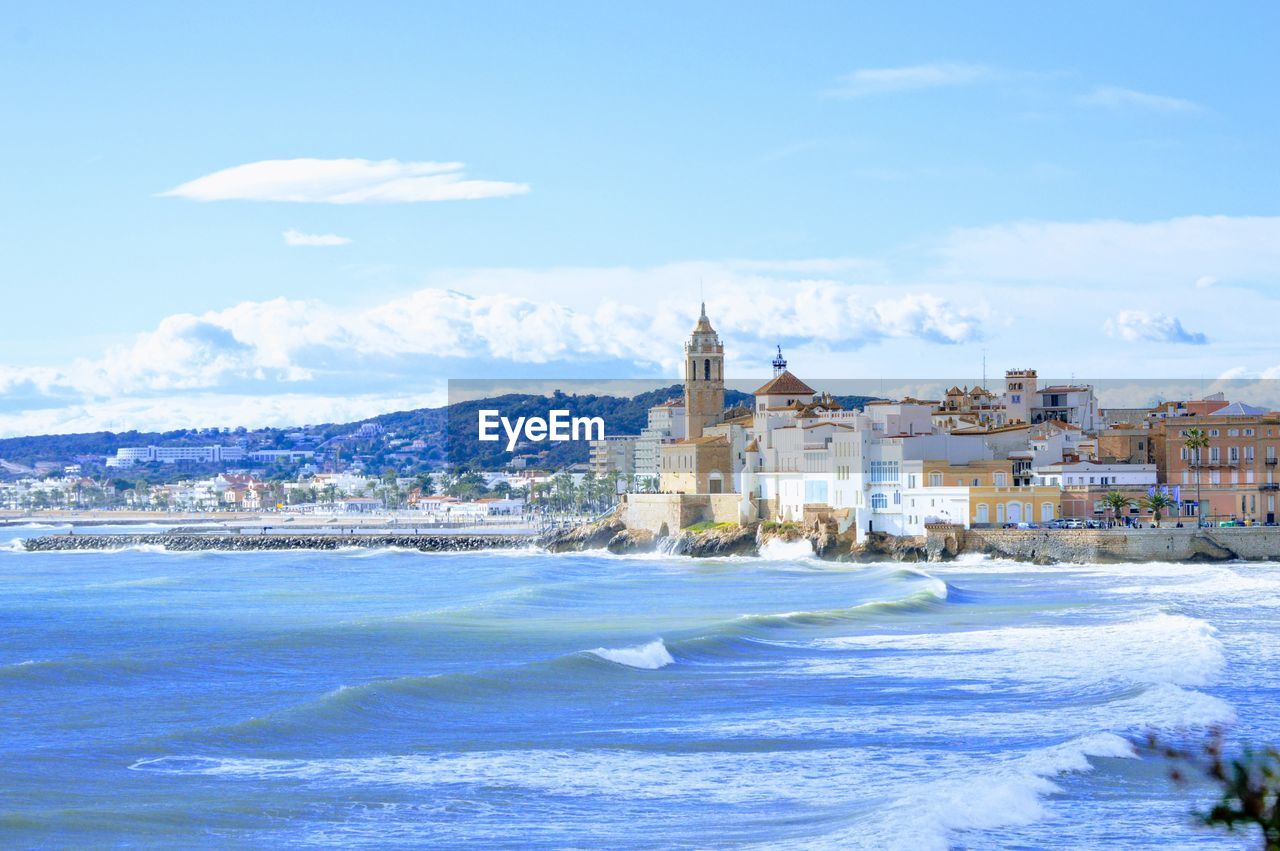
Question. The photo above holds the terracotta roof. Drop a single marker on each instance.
(705, 440)
(753, 446)
(744, 420)
(785, 384)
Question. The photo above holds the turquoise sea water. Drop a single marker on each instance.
(517, 699)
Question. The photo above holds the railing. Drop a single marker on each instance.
(1271, 462)
(1269, 486)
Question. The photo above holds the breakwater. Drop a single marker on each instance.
(196, 542)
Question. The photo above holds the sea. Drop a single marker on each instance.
(517, 699)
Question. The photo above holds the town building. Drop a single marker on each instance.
(614, 456)
(1235, 472)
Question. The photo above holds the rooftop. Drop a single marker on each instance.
(784, 385)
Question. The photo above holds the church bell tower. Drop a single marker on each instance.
(703, 377)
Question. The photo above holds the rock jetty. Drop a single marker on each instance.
(195, 542)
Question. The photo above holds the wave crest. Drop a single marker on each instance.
(649, 657)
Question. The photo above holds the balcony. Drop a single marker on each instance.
(1270, 462)
(1269, 486)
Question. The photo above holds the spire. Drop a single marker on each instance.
(704, 324)
(779, 363)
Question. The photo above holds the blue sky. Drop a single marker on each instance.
(1089, 189)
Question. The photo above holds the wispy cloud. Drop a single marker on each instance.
(343, 181)
(316, 240)
(1117, 97)
(1135, 326)
(868, 82)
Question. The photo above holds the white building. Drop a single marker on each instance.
(666, 423)
(1093, 474)
(1069, 403)
(128, 456)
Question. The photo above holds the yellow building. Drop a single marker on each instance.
(993, 499)
(995, 506)
(696, 465)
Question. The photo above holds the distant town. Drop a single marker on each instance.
(1020, 454)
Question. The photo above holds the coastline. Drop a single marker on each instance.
(610, 534)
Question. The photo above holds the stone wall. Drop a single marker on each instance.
(725, 507)
(655, 512)
(1109, 545)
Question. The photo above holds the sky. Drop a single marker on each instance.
(274, 214)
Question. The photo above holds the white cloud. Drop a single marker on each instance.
(319, 350)
(1117, 97)
(1205, 281)
(342, 181)
(317, 240)
(867, 82)
(1134, 326)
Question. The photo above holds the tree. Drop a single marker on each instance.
(425, 483)
(1195, 441)
(1157, 502)
(563, 490)
(1248, 785)
(1117, 502)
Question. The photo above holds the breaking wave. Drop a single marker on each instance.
(650, 657)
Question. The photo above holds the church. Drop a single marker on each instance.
(704, 461)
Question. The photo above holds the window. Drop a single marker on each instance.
(884, 471)
(706, 370)
(1233, 453)
(981, 515)
(935, 480)
(879, 500)
(1248, 432)
(1213, 432)
(1000, 480)
(1233, 432)
(897, 497)
(1046, 511)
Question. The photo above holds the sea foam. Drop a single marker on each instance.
(776, 549)
(649, 656)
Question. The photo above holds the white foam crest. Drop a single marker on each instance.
(1010, 793)
(776, 549)
(819, 777)
(971, 792)
(1157, 707)
(650, 657)
(1164, 648)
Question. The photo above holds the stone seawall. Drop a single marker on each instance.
(179, 542)
(1108, 545)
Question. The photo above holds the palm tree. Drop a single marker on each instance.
(1195, 441)
(1157, 502)
(1117, 502)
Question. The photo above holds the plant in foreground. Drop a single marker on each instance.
(1249, 784)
